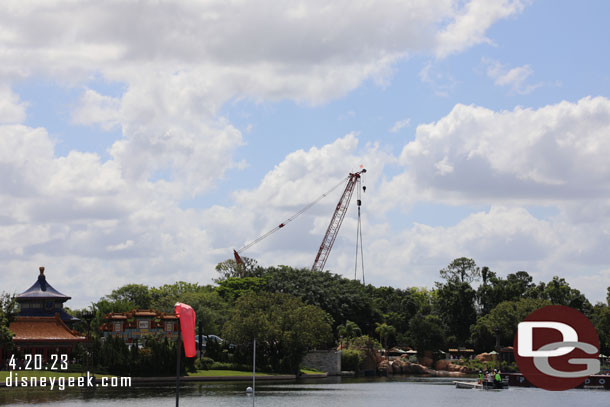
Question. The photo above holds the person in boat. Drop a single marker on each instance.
(497, 379)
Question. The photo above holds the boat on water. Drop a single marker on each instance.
(481, 386)
(467, 385)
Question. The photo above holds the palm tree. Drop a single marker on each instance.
(349, 330)
(385, 331)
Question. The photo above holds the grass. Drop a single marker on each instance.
(215, 373)
(309, 370)
(204, 373)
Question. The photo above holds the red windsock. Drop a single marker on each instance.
(187, 326)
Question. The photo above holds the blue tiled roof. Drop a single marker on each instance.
(43, 313)
(41, 289)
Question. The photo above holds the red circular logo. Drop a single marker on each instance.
(556, 348)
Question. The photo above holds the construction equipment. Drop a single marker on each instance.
(353, 181)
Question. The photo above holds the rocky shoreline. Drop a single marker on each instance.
(442, 368)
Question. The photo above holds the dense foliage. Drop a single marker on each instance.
(284, 326)
(292, 310)
(7, 313)
(468, 306)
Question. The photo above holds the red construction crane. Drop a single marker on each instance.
(337, 220)
(353, 180)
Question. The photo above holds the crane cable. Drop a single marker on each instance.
(359, 239)
(290, 219)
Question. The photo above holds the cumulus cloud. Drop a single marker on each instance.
(552, 156)
(514, 77)
(11, 109)
(557, 152)
(324, 49)
(179, 63)
(94, 108)
(118, 220)
(470, 24)
(399, 125)
(298, 180)
(79, 215)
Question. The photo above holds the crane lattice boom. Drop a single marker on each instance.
(353, 179)
(336, 221)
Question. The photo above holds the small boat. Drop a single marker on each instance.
(496, 385)
(467, 385)
(483, 386)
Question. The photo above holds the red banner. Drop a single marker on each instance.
(187, 325)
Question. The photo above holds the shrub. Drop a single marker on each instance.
(204, 363)
(351, 359)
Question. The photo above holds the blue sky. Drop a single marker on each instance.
(143, 143)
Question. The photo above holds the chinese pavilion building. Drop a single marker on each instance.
(135, 325)
(42, 325)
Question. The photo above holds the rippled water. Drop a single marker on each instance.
(339, 392)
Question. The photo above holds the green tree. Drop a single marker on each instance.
(385, 332)
(455, 303)
(601, 321)
(7, 315)
(559, 292)
(137, 294)
(165, 297)
(461, 269)
(426, 333)
(232, 288)
(495, 289)
(230, 269)
(105, 306)
(285, 328)
(349, 331)
(344, 299)
(397, 306)
(211, 309)
(503, 319)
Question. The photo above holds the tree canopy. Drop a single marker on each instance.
(284, 326)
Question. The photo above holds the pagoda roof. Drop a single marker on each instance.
(38, 312)
(43, 329)
(41, 289)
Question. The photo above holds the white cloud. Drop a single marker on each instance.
(11, 110)
(121, 246)
(81, 216)
(181, 62)
(557, 152)
(514, 77)
(117, 221)
(399, 125)
(324, 50)
(94, 108)
(470, 24)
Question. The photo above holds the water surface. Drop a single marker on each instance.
(348, 392)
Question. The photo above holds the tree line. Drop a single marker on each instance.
(292, 310)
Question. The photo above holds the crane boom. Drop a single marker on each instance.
(238, 258)
(336, 221)
(353, 179)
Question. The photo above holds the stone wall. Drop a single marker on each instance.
(325, 360)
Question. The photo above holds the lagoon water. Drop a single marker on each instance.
(348, 392)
